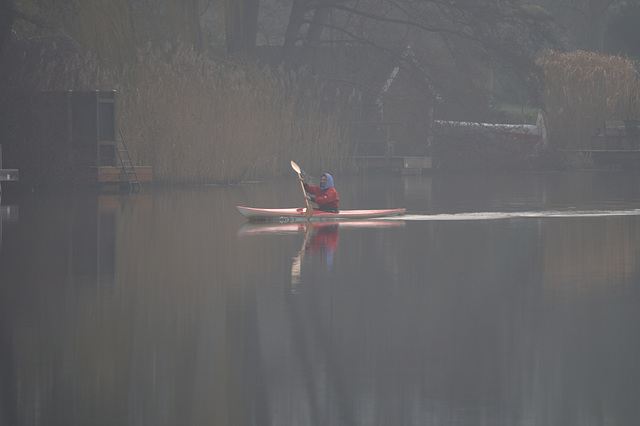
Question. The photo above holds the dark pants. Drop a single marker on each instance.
(329, 209)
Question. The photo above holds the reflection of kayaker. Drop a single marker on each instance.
(324, 241)
(325, 237)
(273, 228)
(296, 266)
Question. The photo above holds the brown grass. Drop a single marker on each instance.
(582, 90)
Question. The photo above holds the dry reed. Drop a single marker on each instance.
(192, 119)
(195, 120)
(582, 90)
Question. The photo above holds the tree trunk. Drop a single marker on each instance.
(314, 35)
(6, 22)
(292, 35)
(241, 25)
(193, 22)
(184, 21)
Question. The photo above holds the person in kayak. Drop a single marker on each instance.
(324, 195)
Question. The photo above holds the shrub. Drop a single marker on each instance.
(582, 90)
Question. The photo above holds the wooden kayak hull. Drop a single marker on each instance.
(298, 214)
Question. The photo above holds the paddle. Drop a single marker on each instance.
(309, 211)
(296, 266)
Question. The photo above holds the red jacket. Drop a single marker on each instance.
(325, 198)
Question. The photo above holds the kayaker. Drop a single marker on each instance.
(324, 195)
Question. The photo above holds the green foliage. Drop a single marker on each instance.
(517, 114)
(582, 90)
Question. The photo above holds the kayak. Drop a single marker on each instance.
(298, 214)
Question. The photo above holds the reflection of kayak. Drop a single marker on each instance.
(298, 214)
(254, 228)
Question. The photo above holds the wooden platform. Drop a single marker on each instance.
(623, 157)
(116, 175)
(8, 175)
(8, 213)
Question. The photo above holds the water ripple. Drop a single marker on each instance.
(514, 215)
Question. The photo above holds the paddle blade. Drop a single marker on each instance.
(309, 212)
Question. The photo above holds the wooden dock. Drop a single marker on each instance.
(8, 175)
(112, 175)
(621, 157)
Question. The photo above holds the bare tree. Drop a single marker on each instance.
(501, 33)
(241, 25)
(585, 20)
(6, 22)
(191, 13)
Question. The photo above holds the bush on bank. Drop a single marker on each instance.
(582, 90)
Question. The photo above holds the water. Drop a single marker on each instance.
(497, 300)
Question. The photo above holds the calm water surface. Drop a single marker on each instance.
(497, 300)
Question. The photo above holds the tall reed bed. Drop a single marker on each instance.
(195, 120)
(582, 90)
(192, 119)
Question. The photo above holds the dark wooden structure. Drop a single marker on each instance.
(378, 148)
(113, 164)
(627, 158)
(118, 175)
(68, 138)
(618, 135)
(6, 175)
(615, 144)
